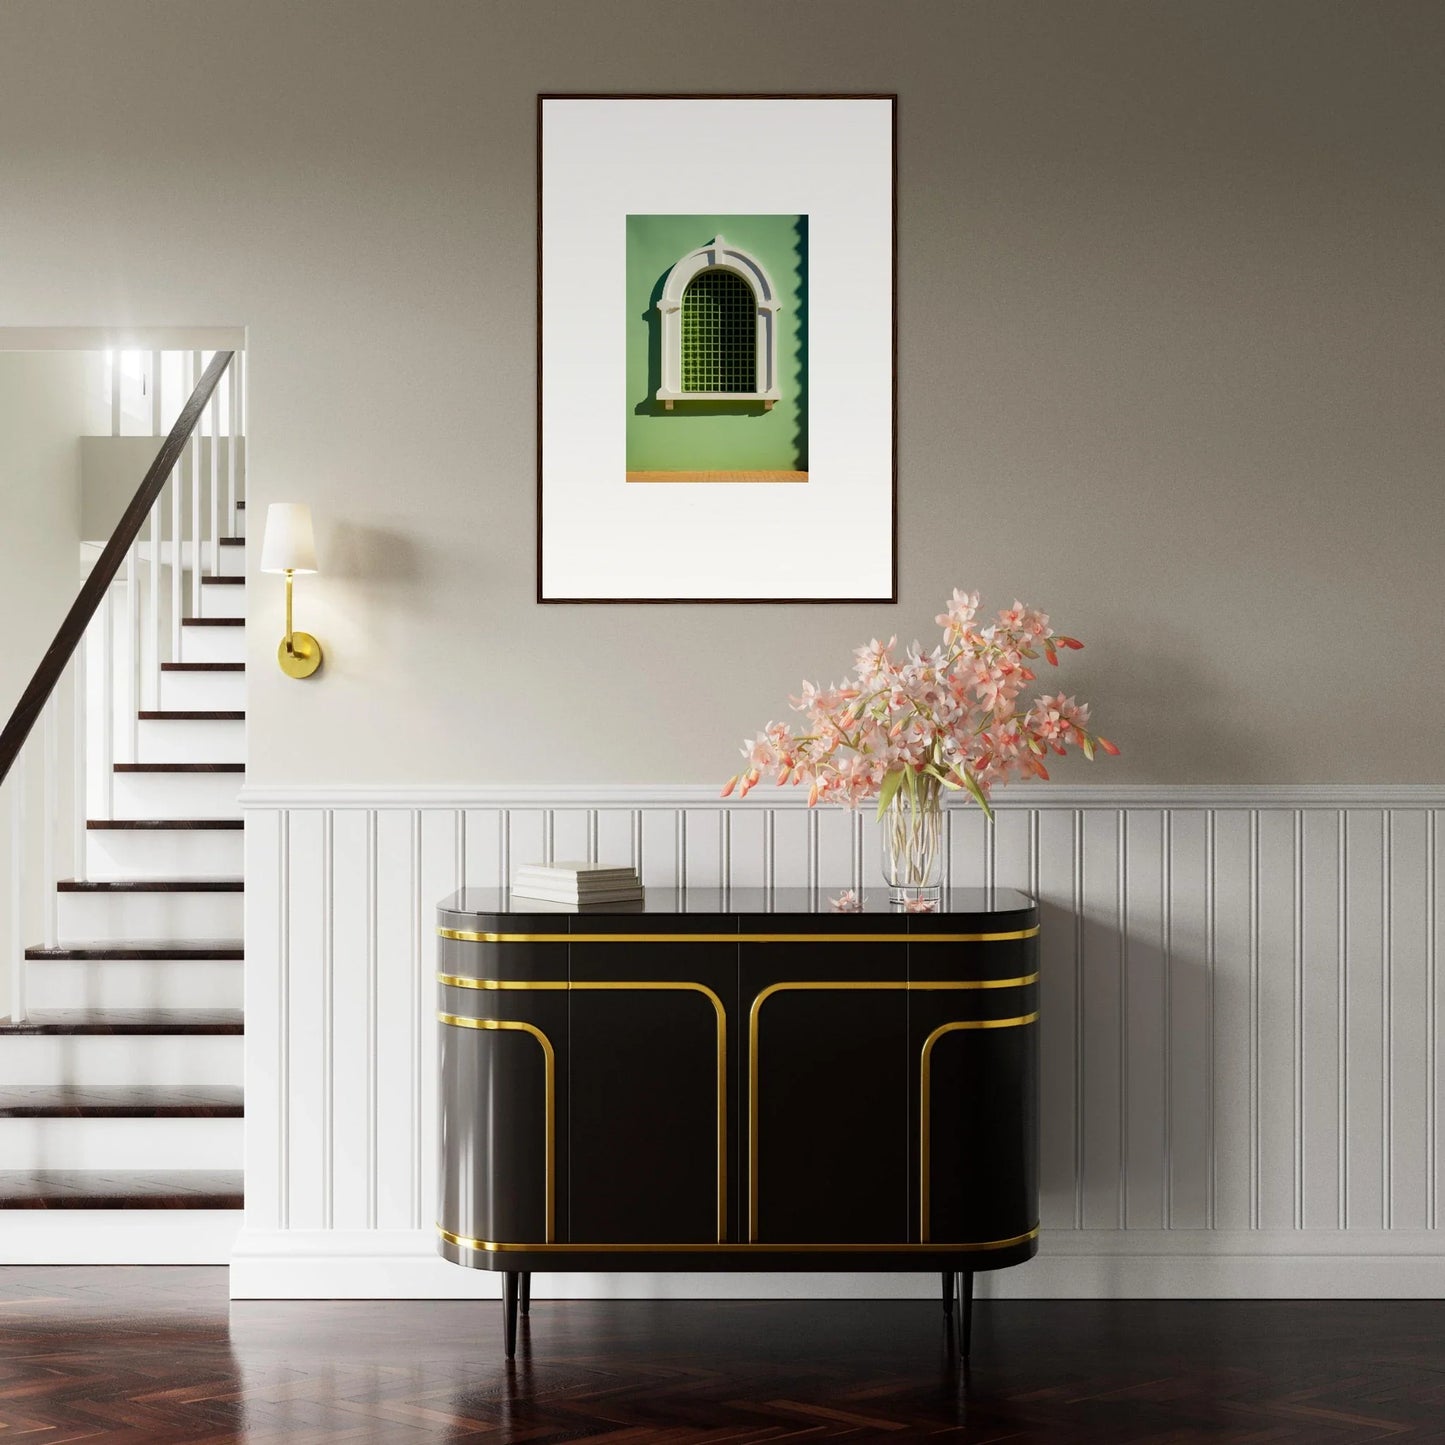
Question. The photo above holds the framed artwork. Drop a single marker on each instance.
(716, 348)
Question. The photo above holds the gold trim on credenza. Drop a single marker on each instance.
(452, 980)
(908, 985)
(464, 936)
(488, 1246)
(549, 1063)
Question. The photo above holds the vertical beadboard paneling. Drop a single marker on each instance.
(307, 1006)
(266, 1101)
(1101, 1002)
(437, 876)
(484, 847)
(1320, 1055)
(1407, 1026)
(571, 835)
(1188, 1041)
(704, 845)
(1146, 1079)
(1232, 1064)
(1242, 1009)
(399, 1009)
(614, 831)
(1275, 1016)
(350, 1184)
(968, 849)
(1058, 1009)
(837, 864)
(1365, 1115)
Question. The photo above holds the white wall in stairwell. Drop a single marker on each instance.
(1242, 1030)
(41, 404)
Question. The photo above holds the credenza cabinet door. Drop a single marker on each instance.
(654, 1065)
(825, 1092)
(504, 1085)
(973, 1056)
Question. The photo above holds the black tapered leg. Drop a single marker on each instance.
(948, 1292)
(965, 1305)
(509, 1312)
(526, 1305)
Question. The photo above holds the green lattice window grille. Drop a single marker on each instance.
(719, 333)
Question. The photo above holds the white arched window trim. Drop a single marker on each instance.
(719, 254)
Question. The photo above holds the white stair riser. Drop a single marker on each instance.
(213, 644)
(119, 1236)
(125, 917)
(222, 601)
(191, 740)
(122, 1059)
(163, 853)
(135, 983)
(137, 1144)
(233, 562)
(204, 691)
(177, 795)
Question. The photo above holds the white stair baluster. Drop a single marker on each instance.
(51, 784)
(17, 889)
(132, 662)
(198, 360)
(116, 359)
(215, 410)
(176, 484)
(153, 578)
(233, 381)
(107, 718)
(82, 789)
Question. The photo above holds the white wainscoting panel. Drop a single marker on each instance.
(1241, 1023)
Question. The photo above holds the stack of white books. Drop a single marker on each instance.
(577, 883)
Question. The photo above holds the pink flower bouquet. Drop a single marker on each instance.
(902, 730)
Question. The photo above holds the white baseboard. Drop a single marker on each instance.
(118, 1236)
(1142, 1264)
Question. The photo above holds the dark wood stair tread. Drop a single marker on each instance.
(130, 1021)
(171, 714)
(213, 621)
(203, 667)
(151, 885)
(140, 950)
(241, 505)
(121, 1101)
(121, 1189)
(197, 825)
(223, 581)
(180, 767)
(232, 541)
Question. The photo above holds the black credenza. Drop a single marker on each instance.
(739, 1081)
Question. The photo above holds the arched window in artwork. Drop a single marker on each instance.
(719, 333)
(719, 312)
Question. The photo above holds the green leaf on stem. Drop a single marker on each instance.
(887, 791)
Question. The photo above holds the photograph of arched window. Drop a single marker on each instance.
(717, 348)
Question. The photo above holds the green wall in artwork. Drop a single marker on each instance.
(720, 435)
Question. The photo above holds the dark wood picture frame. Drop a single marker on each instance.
(892, 99)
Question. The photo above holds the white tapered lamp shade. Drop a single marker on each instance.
(290, 547)
(290, 544)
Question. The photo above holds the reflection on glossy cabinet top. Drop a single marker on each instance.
(709, 908)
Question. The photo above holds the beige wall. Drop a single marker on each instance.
(1170, 354)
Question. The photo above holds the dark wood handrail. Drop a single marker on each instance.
(67, 639)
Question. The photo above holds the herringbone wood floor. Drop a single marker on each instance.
(158, 1355)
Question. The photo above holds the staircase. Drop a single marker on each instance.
(121, 1101)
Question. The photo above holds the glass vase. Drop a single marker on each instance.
(912, 851)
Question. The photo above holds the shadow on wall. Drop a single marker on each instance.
(649, 405)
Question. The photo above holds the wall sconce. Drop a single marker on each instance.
(289, 547)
